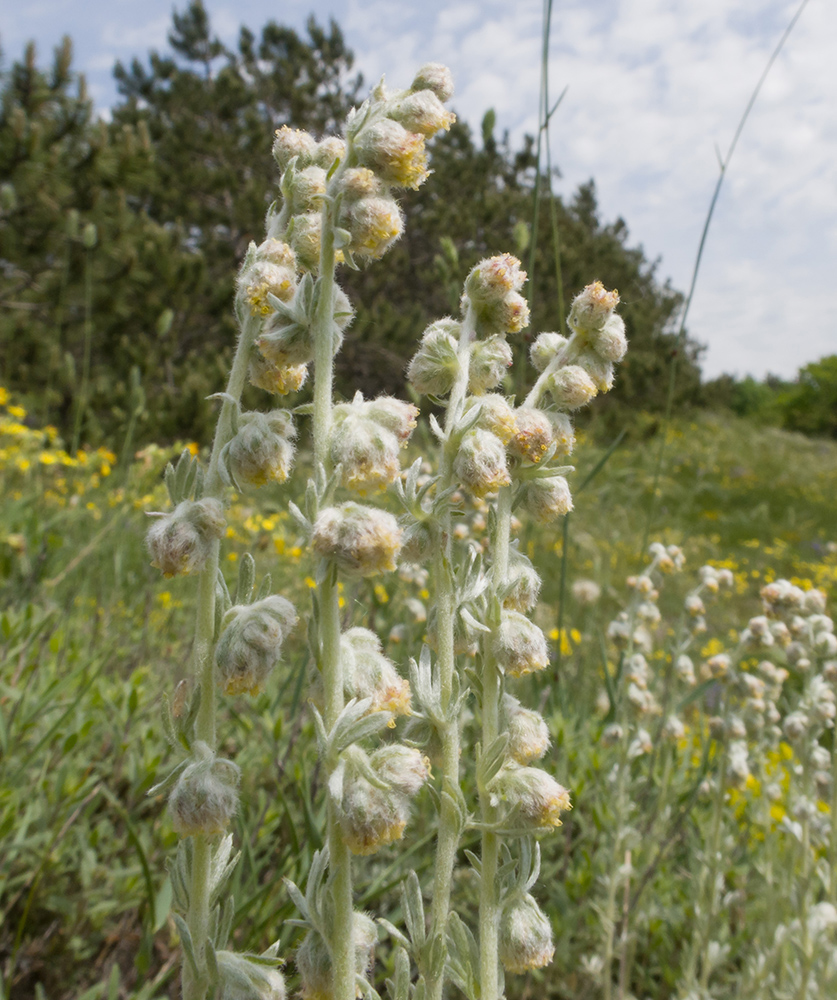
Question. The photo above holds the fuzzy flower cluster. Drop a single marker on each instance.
(179, 542)
(366, 441)
(376, 792)
(368, 673)
(250, 644)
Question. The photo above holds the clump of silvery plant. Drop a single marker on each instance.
(337, 207)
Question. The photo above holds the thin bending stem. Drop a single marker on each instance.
(449, 822)
(197, 919)
(492, 687)
(681, 331)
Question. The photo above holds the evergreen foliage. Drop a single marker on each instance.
(175, 184)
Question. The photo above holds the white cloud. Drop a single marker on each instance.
(654, 85)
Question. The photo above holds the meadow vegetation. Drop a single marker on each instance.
(319, 756)
(91, 639)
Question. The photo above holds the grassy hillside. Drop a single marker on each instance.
(91, 639)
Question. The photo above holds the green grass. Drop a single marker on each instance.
(91, 639)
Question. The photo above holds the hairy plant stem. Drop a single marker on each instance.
(615, 865)
(449, 820)
(708, 911)
(832, 871)
(492, 685)
(341, 945)
(197, 919)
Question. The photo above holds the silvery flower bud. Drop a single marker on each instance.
(612, 734)
(180, 541)
(642, 700)
(545, 349)
(647, 611)
(814, 601)
(586, 591)
(829, 670)
(423, 112)
(328, 150)
(563, 435)
(820, 758)
(717, 666)
(619, 632)
(435, 77)
(375, 223)
(525, 934)
(547, 498)
(362, 541)
(796, 725)
(289, 143)
(571, 387)
(523, 584)
(534, 797)
(205, 798)
(736, 729)
(306, 234)
(527, 729)
(262, 450)
(519, 645)
(492, 289)
(405, 768)
(370, 817)
(276, 379)
(599, 370)
(610, 341)
(508, 315)
(251, 643)
(285, 345)
(397, 156)
(273, 272)
(495, 415)
(360, 182)
(694, 605)
(592, 307)
(533, 434)
(368, 454)
(494, 278)
(773, 792)
(738, 768)
(315, 965)
(480, 463)
(825, 644)
(674, 729)
(395, 415)
(685, 670)
(820, 623)
(306, 190)
(367, 673)
(640, 745)
(822, 701)
(241, 978)
(417, 542)
(489, 362)
(433, 368)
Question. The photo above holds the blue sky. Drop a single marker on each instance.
(653, 87)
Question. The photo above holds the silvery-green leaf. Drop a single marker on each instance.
(170, 780)
(492, 759)
(413, 907)
(394, 933)
(186, 942)
(469, 619)
(246, 579)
